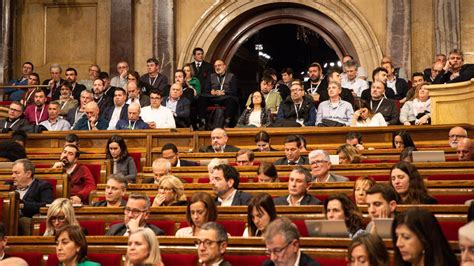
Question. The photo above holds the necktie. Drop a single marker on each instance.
(198, 65)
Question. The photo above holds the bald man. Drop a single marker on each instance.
(91, 121)
(134, 121)
(219, 142)
(455, 135)
(465, 150)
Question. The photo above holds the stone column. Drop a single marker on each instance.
(121, 34)
(164, 36)
(447, 28)
(6, 54)
(399, 33)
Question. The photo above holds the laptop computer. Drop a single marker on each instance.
(428, 156)
(325, 228)
(384, 227)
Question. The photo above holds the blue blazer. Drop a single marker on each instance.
(123, 124)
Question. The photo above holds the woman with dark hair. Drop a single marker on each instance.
(262, 140)
(340, 207)
(368, 249)
(418, 240)
(266, 172)
(121, 162)
(201, 209)
(260, 212)
(365, 117)
(191, 80)
(71, 247)
(401, 140)
(256, 115)
(409, 185)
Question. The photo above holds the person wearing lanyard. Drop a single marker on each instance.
(14, 121)
(134, 120)
(154, 78)
(54, 122)
(316, 82)
(38, 112)
(91, 121)
(272, 98)
(379, 104)
(335, 109)
(296, 110)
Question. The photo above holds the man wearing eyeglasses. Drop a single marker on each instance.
(455, 135)
(282, 240)
(136, 213)
(211, 244)
(14, 121)
(320, 166)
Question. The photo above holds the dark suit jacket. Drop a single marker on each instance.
(188, 163)
(182, 111)
(104, 102)
(57, 90)
(366, 93)
(203, 73)
(240, 199)
(76, 91)
(103, 203)
(38, 195)
(466, 73)
(228, 148)
(144, 100)
(121, 228)
(307, 200)
(123, 124)
(107, 114)
(82, 124)
(284, 161)
(305, 260)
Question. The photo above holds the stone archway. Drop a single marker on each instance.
(228, 23)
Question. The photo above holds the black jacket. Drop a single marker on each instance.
(121, 228)
(305, 260)
(228, 148)
(203, 73)
(287, 110)
(466, 73)
(240, 199)
(187, 163)
(307, 200)
(388, 109)
(103, 203)
(284, 161)
(107, 114)
(38, 195)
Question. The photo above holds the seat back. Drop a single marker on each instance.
(179, 259)
(32, 258)
(247, 260)
(234, 228)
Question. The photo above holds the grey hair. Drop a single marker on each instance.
(27, 165)
(315, 153)
(284, 227)
(88, 92)
(221, 129)
(141, 196)
(56, 65)
(350, 63)
(162, 161)
(303, 171)
(218, 228)
(215, 162)
(467, 231)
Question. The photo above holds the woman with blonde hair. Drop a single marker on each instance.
(60, 213)
(348, 154)
(170, 192)
(361, 186)
(143, 248)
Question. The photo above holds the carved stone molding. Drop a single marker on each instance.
(447, 27)
(399, 33)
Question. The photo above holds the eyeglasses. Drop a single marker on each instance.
(319, 162)
(60, 219)
(207, 243)
(134, 212)
(276, 251)
(456, 136)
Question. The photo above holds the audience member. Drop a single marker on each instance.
(256, 115)
(3, 242)
(316, 82)
(335, 111)
(54, 121)
(416, 78)
(401, 140)
(201, 209)
(299, 184)
(202, 69)
(143, 87)
(211, 244)
(116, 152)
(418, 240)
(282, 241)
(15, 120)
(75, 114)
(280, 87)
(136, 213)
(367, 249)
(361, 185)
(286, 76)
(71, 77)
(121, 81)
(292, 152)
(303, 145)
(270, 98)
(340, 207)
(406, 154)
(398, 85)
(34, 193)
(435, 70)
(379, 104)
(408, 183)
(92, 120)
(66, 101)
(381, 202)
(119, 111)
(190, 78)
(266, 172)
(455, 135)
(417, 111)
(297, 110)
(455, 70)
(365, 117)
(320, 165)
(154, 78)
(225, 182)
(219, 142)
(361, 72)
(183, 89)
(355, 139)
(81, 179)
(179, 107)
(71, 246)
(170, 192)
(348, 154)
(14, 93)
(350, 79)
(133, 121)
(465, 150)
(60, 213)
(37, 112)
(143, 248)
(72, 139)
(466, 244)
(28, 96)
(114, 192)
(102, 100)
(170, 152)
(135, 96)
(160, 167)
(244, 157)
(262, 140)
(109, 89)
(260, 212)
(334, 75)
(55, 71)
(94, 71)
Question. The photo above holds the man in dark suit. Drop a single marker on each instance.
(225, 181)
(92, 120)
(320, 165)
(299, 184)
(202, 69)
(282, 240)
(71, 76)
(54, 82)
(170, 152)
(211, 244)
(292, 152)
(135, 214)
(455, 70)
(34, 193)
(119, 110)
(98, 87)
(114, 192)
(135, 95)
(133, 121)
(219, 142)
(380, 103)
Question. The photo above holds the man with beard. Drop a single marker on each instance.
(316, 82)
(29, 97)
(297, 110)
(380, 104)
(14, 121)
(379, 74)
(71, 76)
(455, 135)
(81, 179)
(225, 181)
(94, 71)
(219, 142)
(99, 96)
(38, 112)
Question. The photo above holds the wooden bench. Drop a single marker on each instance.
(9, 209)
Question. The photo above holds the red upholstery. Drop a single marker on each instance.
(380, 177)
(183, 224)
(94, 228)
(168, 226)
(178, 259)
(451, 177)
(352, 177)
(247, 260)
(301, 227)
(5, 103)
(95, 171)
(52, 260)
(453, 199)
(234, 228)
(32, 258)
(331, 261)
(322, 198)
(284, 178)
(53, 183)
(103, 259)
(450, 229)
(136, 158)
(187, 179)
(371, 161)
(203, 180)
(42, 165)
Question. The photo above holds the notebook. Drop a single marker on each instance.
(428, 156)
(326, 228)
